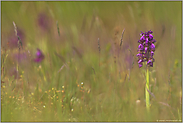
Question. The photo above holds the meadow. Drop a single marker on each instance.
(88, 68)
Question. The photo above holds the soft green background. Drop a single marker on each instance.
(111, 91)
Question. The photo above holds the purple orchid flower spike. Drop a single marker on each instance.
(146, 48)
(39, 56)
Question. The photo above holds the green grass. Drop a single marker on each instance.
(81, 90)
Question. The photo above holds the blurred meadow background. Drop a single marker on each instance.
(84, 73)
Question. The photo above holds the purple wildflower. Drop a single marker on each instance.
(150, 36)
(13, 72)
(140, 61)
(140, 65)
(146, 49)
(152, 47)
(150, 62)
(152, 53)
(43, 21)
(128, 58)
(153, 41)
(39, 56)
(20, 57)
(142, 38)
(141, 47)
(129, 61)
(13, 40)
(140, 55)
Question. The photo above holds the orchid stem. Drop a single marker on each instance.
(146, 90)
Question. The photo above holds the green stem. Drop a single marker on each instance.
(146, 90)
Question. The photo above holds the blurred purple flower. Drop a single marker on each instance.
(146, 49)
(140, 65)
(140, 61)
(125, 47)
(128, 57)
(13, 72)
(142, 38)
(43, 21)
(150, 62)
(140, 55)
(150, 36)
(141, 47)
(20, 57)
(152, 53)
(153, 41)
(129, 60)
(13, 40)
(39, 56)
(152, 47)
